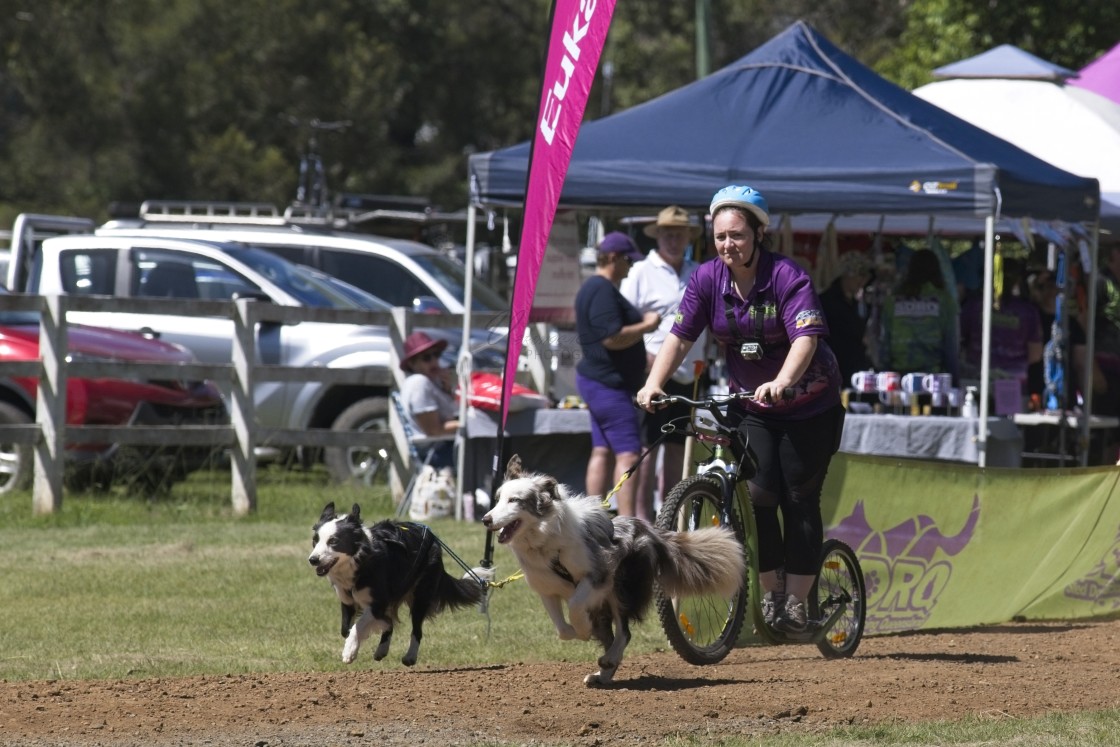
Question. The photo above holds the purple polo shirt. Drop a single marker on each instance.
(781, 307)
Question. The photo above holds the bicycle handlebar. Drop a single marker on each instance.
(712, 403)
(713, 400)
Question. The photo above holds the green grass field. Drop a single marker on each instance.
(115, 586)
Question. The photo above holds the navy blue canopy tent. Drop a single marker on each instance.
(811, 128)
(816, 132)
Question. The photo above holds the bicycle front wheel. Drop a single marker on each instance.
(701, 629)
(839, 586)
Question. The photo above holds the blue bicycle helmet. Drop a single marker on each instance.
(744, 197)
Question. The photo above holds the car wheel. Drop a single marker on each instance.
(15, 458)
(359, 465)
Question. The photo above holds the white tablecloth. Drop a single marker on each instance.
(932, 437)
(540, 422)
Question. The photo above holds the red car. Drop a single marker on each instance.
(104, 401)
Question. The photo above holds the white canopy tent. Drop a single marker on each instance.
(1075, 129)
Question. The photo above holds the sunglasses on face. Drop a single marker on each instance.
(425, 357)
(625, 259)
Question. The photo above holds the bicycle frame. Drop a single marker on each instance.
(311, 187)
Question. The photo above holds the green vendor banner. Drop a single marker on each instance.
(946, 546)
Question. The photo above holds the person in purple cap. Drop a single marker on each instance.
(611, 368)
(762, 309)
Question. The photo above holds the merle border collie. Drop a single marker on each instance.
(377, 568)
(571, 550)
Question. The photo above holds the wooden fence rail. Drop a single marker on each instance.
(50, 433)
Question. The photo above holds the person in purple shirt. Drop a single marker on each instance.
(611, 368)
(762, 309)
(1016, 337)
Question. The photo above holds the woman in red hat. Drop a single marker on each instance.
(427, 395)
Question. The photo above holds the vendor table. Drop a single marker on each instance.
(1044, 441)
(932, 437)
(558, 442)
(554, 441)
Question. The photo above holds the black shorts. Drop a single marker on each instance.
(651, 425)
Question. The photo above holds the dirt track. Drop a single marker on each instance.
(1002, 672)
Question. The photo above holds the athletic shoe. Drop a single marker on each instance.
(792, 618)
(771, 602)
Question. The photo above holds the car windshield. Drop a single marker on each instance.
(451, 275)
(309, 287)
(357, 295)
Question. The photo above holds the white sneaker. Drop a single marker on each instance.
(792, 618)
(772, 601)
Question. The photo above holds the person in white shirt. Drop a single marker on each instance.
(656, 284)
(427, 396)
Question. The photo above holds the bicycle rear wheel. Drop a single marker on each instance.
(701, 629)
(839, 582)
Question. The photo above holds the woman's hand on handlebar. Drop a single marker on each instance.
(772, 393)
(646, 395)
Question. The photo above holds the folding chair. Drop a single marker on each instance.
(417, 461)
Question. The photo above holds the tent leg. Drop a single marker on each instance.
(986, 341)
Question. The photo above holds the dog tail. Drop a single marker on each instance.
(703, 561)
(454, 593)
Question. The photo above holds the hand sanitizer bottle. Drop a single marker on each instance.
(970, 408)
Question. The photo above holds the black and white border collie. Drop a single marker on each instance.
(572, 551)
(377, 568)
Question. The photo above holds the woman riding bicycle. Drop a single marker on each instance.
(762, 308)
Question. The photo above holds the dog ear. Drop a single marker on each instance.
(328, 513)
(543, 494)
(547, 487)
(356, 514)
(513, 469)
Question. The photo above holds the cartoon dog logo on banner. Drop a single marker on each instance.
(902, 568)
(1101, 586)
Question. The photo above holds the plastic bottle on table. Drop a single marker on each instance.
(970, 409)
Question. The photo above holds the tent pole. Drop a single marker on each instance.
(1090, 346)
(463, 369)
(986, 340)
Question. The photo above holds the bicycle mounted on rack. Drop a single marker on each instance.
(703, 630)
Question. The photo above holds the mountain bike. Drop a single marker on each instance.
(311, 187)
(704, 629)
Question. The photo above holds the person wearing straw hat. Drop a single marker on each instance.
(761, 308)
(427, 395)
(657, 284)
(611, 367)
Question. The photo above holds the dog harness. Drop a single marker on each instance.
(425, 547)
(559, 569)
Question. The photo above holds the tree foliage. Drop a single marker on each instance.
(115, 101)
(1070, 33)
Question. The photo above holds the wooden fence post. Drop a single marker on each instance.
(50, 410)
(243, 415)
